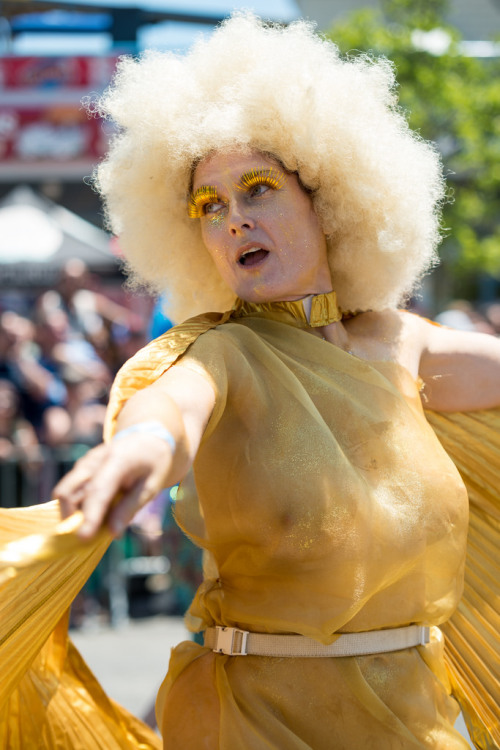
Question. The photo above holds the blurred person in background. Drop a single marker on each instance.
(81, 419)
(25, 359)
(492, 315)
(88, 309)
(18, 439)
(20, 453)
(461, 315)
(91, 313)
(60, 352)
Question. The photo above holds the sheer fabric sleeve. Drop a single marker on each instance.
(149, 364)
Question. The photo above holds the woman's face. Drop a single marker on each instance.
(260, 228)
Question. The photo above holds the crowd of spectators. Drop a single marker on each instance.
(59, 353)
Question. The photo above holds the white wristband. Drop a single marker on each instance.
(152, 427)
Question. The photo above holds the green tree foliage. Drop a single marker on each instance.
(453, 99)
(422, 14)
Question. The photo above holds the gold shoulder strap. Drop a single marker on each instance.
(150, 362)
(472, 440)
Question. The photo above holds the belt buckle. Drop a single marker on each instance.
(425, 635)
(226, 641)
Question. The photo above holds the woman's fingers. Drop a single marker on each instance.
(70, 490)
(112, 478)
(126, 474)
(139, 495)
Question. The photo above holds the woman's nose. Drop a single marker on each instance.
(239, 220)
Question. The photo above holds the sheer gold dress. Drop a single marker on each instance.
(325, 504)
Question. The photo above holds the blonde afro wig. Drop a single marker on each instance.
(376, 185)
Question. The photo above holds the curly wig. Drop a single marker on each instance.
(376, 186)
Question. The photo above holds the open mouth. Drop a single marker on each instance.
(253, 257)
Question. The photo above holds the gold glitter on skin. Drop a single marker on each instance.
(217, 219)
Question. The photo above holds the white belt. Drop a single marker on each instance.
(235, 642)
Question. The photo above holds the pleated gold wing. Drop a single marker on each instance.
(472, 440)
(48, 696)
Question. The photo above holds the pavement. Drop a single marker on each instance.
(130, 661)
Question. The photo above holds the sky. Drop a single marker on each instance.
(164, 36)
(272, 8)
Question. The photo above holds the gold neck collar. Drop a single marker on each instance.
(314, 311)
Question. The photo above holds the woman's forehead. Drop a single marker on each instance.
(223, 166)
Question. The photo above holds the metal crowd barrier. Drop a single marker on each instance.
(29, 482)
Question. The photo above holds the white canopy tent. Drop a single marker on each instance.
(38, 236)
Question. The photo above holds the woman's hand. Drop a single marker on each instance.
(111, 482)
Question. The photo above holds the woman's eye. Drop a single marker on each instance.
(212, 208)
(258, 189)
(258, 181)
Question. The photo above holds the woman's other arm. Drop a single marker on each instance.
(460, 369)
(130, 471)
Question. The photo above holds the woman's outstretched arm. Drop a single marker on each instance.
(129, 471)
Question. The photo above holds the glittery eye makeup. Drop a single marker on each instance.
(271, 177)
(199, 199)
(207, 194)
(217, 219)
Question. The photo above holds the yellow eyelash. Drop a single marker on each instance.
(205, 194)
(272, 177)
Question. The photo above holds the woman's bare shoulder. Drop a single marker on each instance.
(388, 335)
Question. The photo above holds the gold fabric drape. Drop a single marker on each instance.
(333, 508)
(48, 696)
(41, 572)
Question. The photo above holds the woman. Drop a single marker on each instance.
(281, 184)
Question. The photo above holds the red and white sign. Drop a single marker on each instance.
(55, 72)
(59, 132)
(42, 118)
